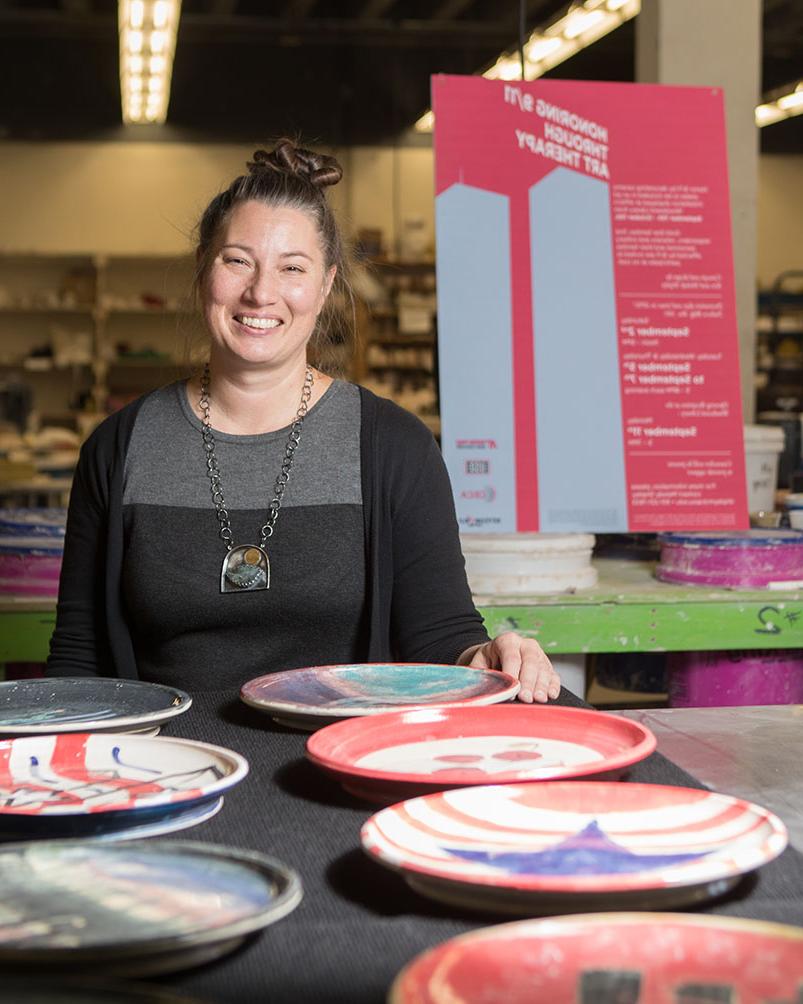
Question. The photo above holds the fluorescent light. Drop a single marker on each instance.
(426, 122)
(134, 41)
(790, 102)
(147, 45)
(161, 14)
(136, 13)
(580, 21)
(783, 106)
(539, 48)
(578, 27)
(767, 114)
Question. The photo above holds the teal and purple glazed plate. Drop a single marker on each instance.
(312, 697)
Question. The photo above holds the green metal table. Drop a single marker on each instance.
(629, 610)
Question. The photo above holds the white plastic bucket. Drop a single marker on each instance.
(517, 564)
(763, 445)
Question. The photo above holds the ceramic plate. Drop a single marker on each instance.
(396, 755)
(113, 825)
(47, 778)
(138, 907)
(568, 845)
(86, 704)
(308, 698)
(637, 958)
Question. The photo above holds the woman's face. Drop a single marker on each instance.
(266, 287)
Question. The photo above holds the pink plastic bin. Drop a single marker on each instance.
(738, 678)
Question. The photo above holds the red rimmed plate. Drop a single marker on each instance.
(315, 696)
(103, 782)
(557, 846)
(641, 958)
(398, 755)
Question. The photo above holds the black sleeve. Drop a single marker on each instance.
(433, 617)
(78, 646)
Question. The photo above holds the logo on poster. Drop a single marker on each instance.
(478, 466)
(476, 521)
(485, 494)
(475, 444)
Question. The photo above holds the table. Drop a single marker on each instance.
(753, 753)
(358, 923)
(628, 611)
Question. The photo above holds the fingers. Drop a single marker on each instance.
(539, 681)
(524, 659)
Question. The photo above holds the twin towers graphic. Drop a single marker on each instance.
(578, 414)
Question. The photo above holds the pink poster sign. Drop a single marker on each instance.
(588, 345)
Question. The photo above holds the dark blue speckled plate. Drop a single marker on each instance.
(86, 704)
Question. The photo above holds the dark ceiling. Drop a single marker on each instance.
(334, 71)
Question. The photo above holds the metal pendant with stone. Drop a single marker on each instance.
(245, 569)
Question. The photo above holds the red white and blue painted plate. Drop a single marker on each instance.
(641, 958)
(312, 697)
(568, 845)
(82, 774)
(400, 754)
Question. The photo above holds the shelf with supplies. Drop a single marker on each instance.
(82, 332)
(779, 345)
(399, 355)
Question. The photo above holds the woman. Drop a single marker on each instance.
(189, 561)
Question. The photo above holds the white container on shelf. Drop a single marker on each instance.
(763, 445)
(518, 564)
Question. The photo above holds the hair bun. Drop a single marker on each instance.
(318, 169)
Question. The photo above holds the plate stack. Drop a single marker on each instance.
(31, 550)
(520, 564)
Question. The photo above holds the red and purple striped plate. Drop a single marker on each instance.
(550, 846)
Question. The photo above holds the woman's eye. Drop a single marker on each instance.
(235, 261)
(295, 268)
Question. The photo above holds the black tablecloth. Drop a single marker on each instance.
(359, 923)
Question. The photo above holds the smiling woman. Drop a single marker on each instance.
(193, 558)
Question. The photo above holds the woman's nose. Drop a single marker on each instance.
(261, 287)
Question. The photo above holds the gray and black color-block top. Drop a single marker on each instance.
(184, 628)
(365, 558)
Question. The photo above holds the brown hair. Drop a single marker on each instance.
(292, 177)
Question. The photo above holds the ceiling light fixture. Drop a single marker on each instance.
(787, 101)
(580, 25)
(147, 31)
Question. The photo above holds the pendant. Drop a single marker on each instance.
(245, 569)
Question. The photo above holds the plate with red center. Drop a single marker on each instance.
(95, 784)
(562, 846)
(312, 697)
(393, 756)
(640, 958)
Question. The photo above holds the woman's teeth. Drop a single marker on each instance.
(260, 323)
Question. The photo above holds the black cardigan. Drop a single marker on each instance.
(419, 606)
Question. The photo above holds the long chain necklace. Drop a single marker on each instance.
(246, 566)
